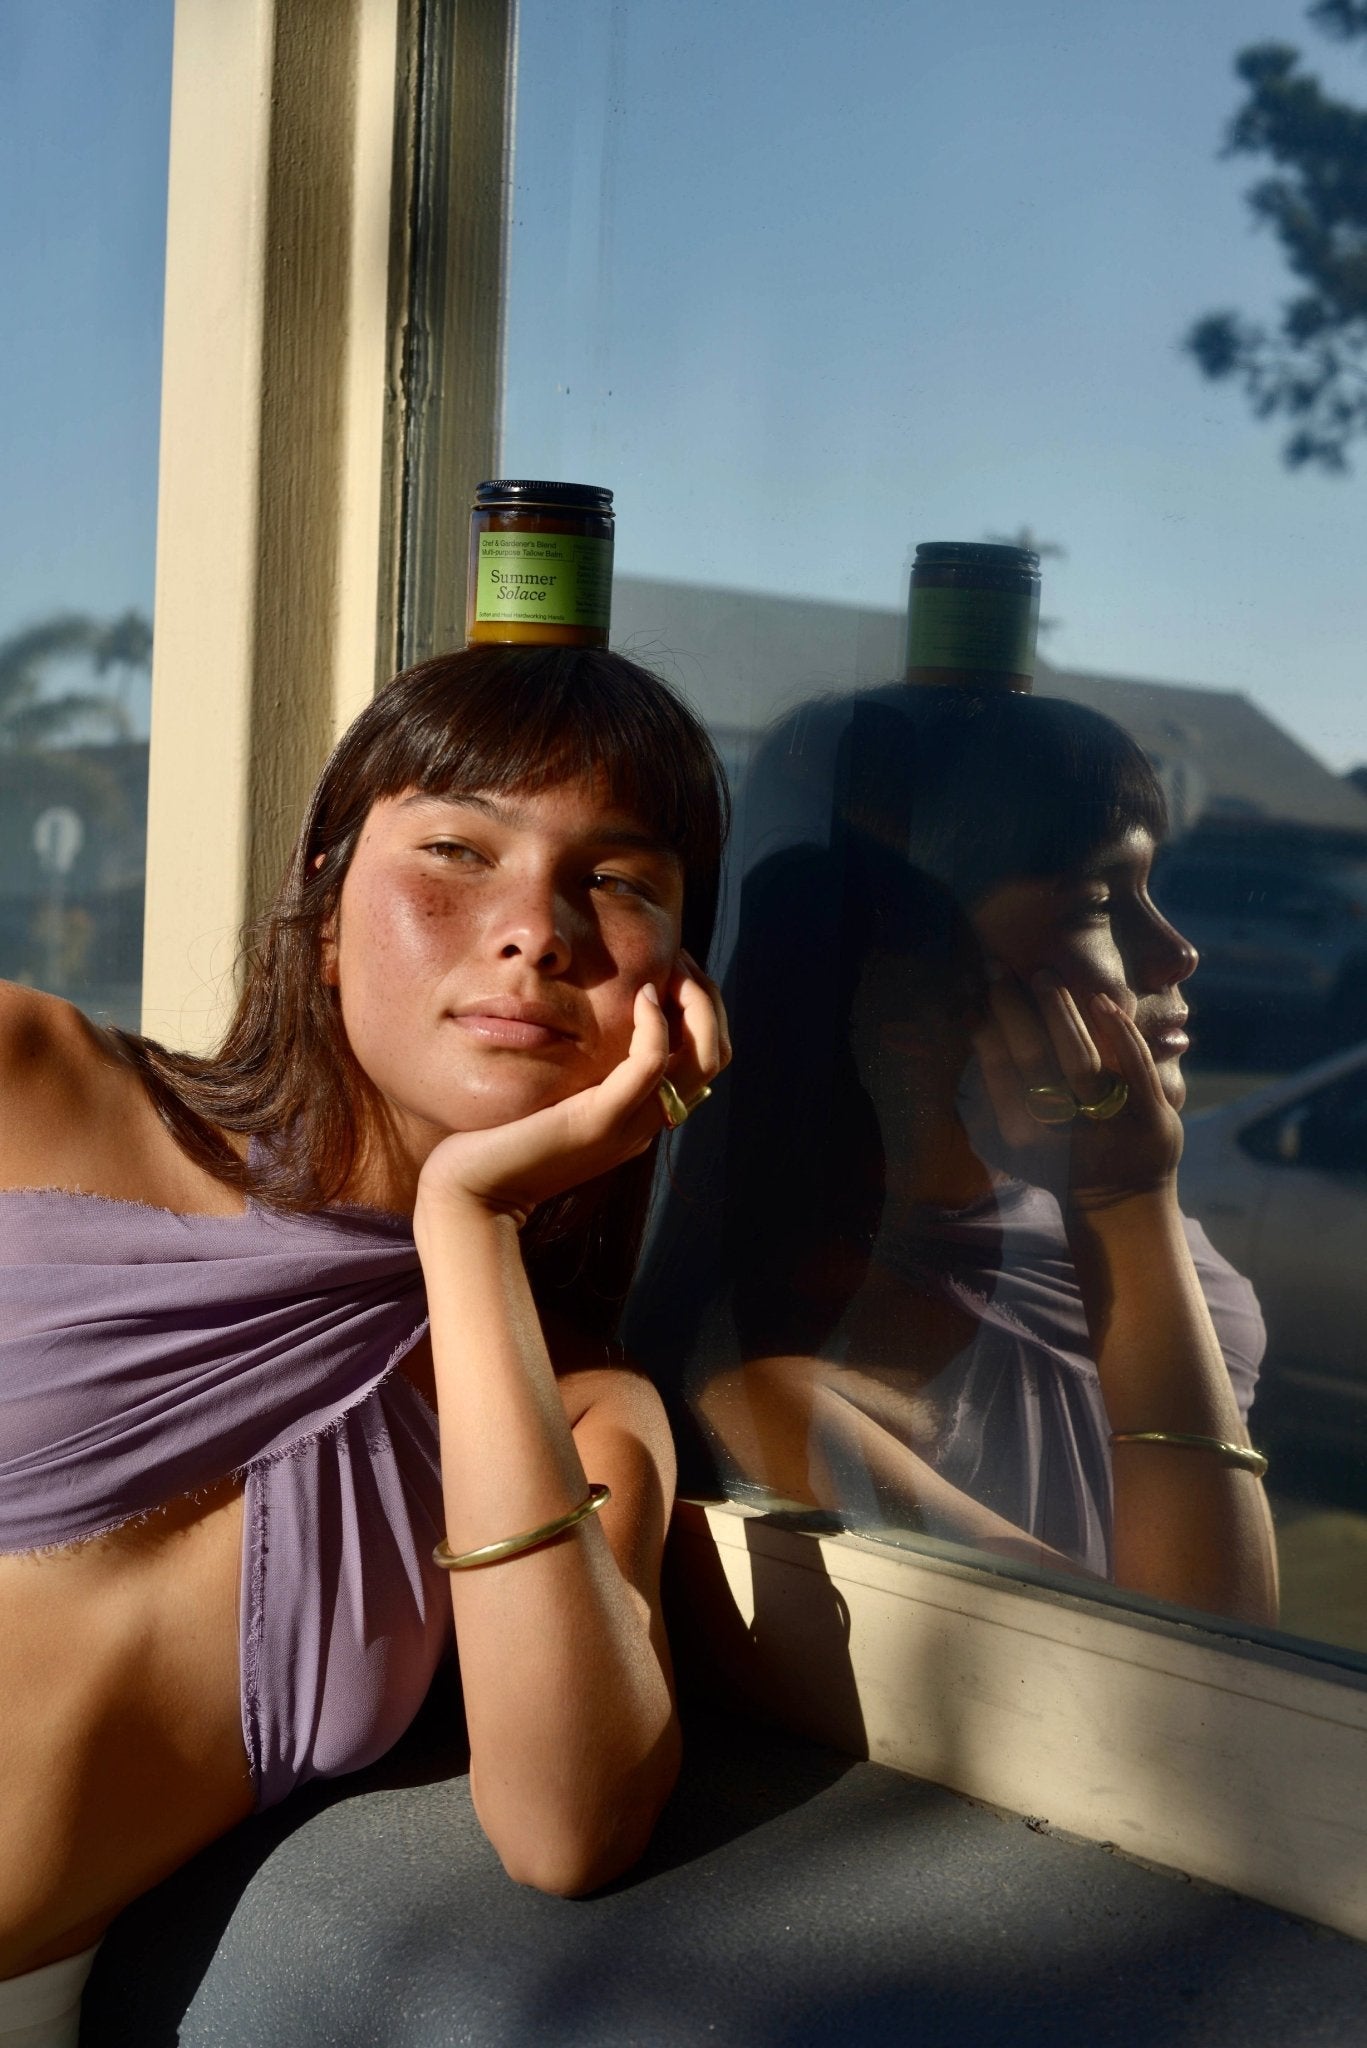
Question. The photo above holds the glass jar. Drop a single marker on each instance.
(540, 565)
(974, 615)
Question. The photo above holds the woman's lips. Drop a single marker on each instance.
(522, 1034)
(1167, 1042)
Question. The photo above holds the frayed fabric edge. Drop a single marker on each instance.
(238, 1475)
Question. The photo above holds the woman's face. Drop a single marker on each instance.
(488, 949)
(1101, 934)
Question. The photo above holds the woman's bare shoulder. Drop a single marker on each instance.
(48, 1048)
(66, 1094)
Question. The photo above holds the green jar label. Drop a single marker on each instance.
(973, 629)
(544, 579)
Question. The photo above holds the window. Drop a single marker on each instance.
(911, 276)
(83, 246)
(755, 231)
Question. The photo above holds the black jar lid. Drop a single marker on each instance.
(991, 556)
(534, 491)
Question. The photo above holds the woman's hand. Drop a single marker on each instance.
(1187, 1526)
(514, 1167)
(1039, 1039)
(569, 1708)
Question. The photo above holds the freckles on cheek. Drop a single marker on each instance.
(392, 953)
(420, 916)
(407, 925)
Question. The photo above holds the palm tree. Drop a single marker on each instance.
(30, 717)
(125, 645)
(42, 758)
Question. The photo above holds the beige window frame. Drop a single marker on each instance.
(309, 400)
(300, 414)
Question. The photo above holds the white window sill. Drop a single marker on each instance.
(1233, 1761)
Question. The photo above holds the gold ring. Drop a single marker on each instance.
(672, 1103)
(1049, 1104)
(1111, 1103)
(703, 1095)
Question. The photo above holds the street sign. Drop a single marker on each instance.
(58, 836)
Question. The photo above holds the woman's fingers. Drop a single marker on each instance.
(620, 1114)
(1039, 1056)
(692, 972)
(699, 1056)
(1043, 1033)
(1126, 1052)
(634, 1079)
(1072, 1044)
(1022, 1031)
(1042, 1056)
(702, 1036)
(521, 1164)
(649, 1026)
(625, 1106)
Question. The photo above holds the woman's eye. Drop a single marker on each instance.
(613, 885)
(1096, 910)
(452, 851)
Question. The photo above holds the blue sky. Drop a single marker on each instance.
(84, 114)
(804, 285)
(807, 285)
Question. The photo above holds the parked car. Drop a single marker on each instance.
(1279, 1179)
(1281, 927)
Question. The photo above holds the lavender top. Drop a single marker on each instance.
(1017, 1420)
(144, 1355)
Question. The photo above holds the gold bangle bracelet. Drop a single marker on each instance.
(514, 1546)
(1230, 1454)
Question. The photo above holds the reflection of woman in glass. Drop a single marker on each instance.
(244, 1481)
(964, 1293)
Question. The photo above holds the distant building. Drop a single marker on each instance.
(1222, 759)
(743, 658)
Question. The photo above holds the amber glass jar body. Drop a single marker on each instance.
(540, 571)
(974, 615)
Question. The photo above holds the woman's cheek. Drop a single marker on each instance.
(1084, 987)
(647, 957)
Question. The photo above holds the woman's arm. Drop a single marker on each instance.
(573, 1737)
(1188, 1527)
(574, 1744)
(794, 1425)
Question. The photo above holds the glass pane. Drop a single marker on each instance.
(807, 289)
(84, 112)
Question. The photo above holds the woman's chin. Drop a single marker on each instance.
(1173, 1082)
(489, 1105)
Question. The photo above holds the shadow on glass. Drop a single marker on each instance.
(956, 1295)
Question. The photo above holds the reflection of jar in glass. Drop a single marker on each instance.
(974, 615)
(540, 565)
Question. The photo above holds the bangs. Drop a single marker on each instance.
(978, 791)
(558, 715)
(1081, 784)
(505, 720)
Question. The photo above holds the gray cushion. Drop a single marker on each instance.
(791, 1897)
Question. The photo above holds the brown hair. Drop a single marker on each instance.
(496, 719)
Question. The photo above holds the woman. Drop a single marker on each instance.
(962, 1290)
(462, 1027)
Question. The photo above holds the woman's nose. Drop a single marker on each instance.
(532, 923)
(1169, 958)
